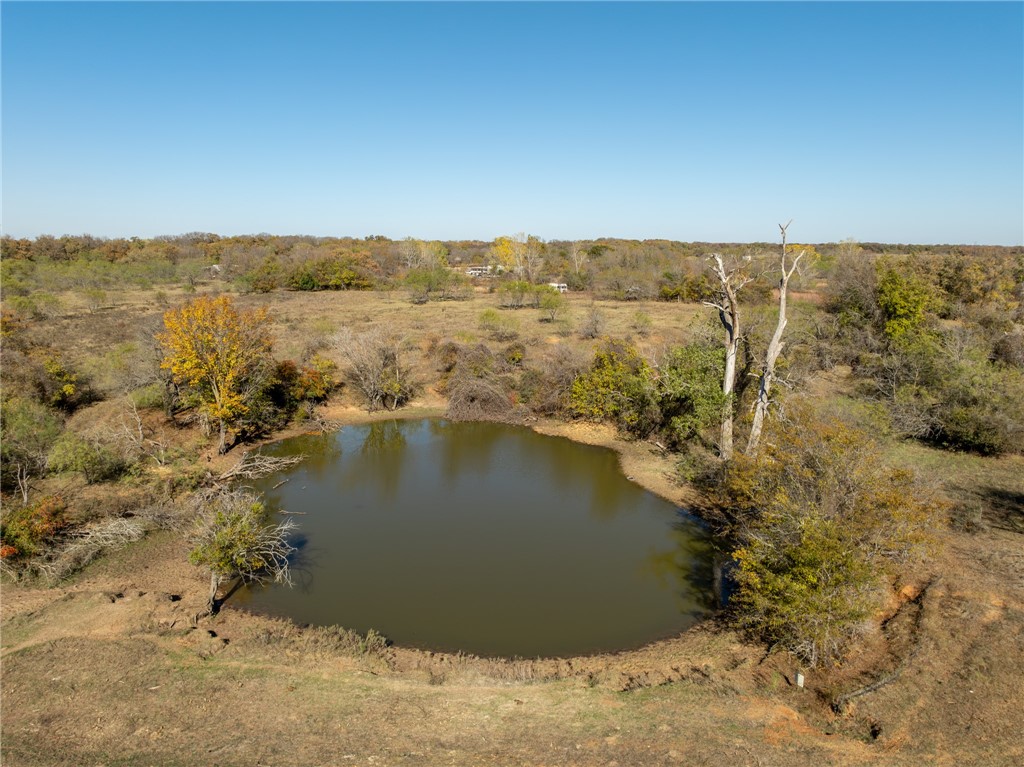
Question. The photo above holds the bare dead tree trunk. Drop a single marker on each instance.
(774, 349)
(578, 255)
(211, 603)
(729, 313)
(23, 483)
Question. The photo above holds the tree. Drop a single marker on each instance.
(578, 255)
(774, 347)
(617, 387)
(688, 394)
(730, 281)
(519, 254)
(417, 254)
(220, 353)
(903, 300)
(95, 460)
(235, 538)
(552, 303)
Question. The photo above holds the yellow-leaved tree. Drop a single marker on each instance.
(520, 254)
(219, 353)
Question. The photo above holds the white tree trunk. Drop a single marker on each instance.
(772, 356)
(729, 314)
(23, 483)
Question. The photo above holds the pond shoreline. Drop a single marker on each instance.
(642, 462)
(527, 544)
(166, 568)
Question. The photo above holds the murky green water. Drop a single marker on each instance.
(485, 538)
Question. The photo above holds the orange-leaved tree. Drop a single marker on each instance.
(219, 353)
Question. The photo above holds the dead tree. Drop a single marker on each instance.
(134, 438)
(578, 255)
(774, 348)
(376, 367)
(256, 465)
(731, 281)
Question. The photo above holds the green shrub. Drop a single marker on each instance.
(331, 273)
(96, 462)
(903, 301)
(618, 387)
(822, 523)
(436, 282)
(150, 397)
(513, 294)
(641, 324)
(500, 326)
(552, 303)
(689, 391)
(29, 430)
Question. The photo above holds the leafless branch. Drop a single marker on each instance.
(256, 465)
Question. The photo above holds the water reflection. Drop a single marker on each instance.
(465, 447)
(483, 538)
(687, 565)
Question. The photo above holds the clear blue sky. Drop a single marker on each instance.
(898, 122)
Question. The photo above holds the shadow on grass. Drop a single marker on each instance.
(1003, 508)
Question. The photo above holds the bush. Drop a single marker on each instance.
(436, 282)
(150, 397)
(689, 391)
(811, 593)
(501, 327)
(515, 293)
(96, 462)
(821, 523)
(332, 273)
(377, 367)
(686, 287)
(316, 380)
(618, 387)
(641, 324)
(58, 385)
(594, 324)
(552, 303)
(514, 354)
(234, 536)
(29, 430)
(903, 301)
(980, 407)
(24, 530)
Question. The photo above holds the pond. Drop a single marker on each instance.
(483, 538)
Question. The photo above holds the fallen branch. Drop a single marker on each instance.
(84, 545)
(256, 465)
